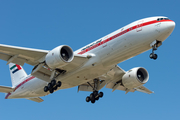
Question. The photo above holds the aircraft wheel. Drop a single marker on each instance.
(53, 82)
(155, 56)
(46, 89)
(93, 101)
(59, 83)
(49, 86)
(151, 55)
(51, 90)
(92, 97)
(101, 94)
(88, 99)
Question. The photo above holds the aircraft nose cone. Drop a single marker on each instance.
(171, 25)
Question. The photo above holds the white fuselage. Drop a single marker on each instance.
(106, 52)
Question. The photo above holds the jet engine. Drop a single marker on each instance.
(135, 77)
(59, 57)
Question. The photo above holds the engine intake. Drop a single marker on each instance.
(135, 77)
(59, 56)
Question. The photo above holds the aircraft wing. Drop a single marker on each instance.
(111, 80)
(21, 55)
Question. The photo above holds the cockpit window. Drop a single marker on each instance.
(159, 19)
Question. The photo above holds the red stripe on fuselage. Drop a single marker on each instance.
(22, 83)
(7, 95)
(122, 33)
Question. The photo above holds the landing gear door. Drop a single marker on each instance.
(139, 26)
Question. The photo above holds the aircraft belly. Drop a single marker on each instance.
(83, 75)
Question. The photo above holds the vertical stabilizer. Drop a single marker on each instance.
(17, 74)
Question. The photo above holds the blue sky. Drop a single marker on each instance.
(45, 24)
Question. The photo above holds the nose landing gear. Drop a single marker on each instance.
(155, 44)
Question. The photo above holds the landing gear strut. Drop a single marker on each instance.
(95, 95)
(155, 44)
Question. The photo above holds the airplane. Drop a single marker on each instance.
(91, 67)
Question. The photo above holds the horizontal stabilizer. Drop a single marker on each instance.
(37, 99)
(5, 89)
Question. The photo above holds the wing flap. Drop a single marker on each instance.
(5, 89)
(37, 99)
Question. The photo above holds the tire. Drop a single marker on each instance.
(92, 96)
(155, 56)
(46, 89)
(88, 99)
(59, 83)
(53, 82)
(92, 101)
(151, 55)
(101, 94)
(49, 86)
(51, 90)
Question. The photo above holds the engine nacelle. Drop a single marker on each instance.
(59, 57)
(135, 77)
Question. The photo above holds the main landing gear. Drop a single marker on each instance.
(52, 86)
(155, 44)
(95, 95)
